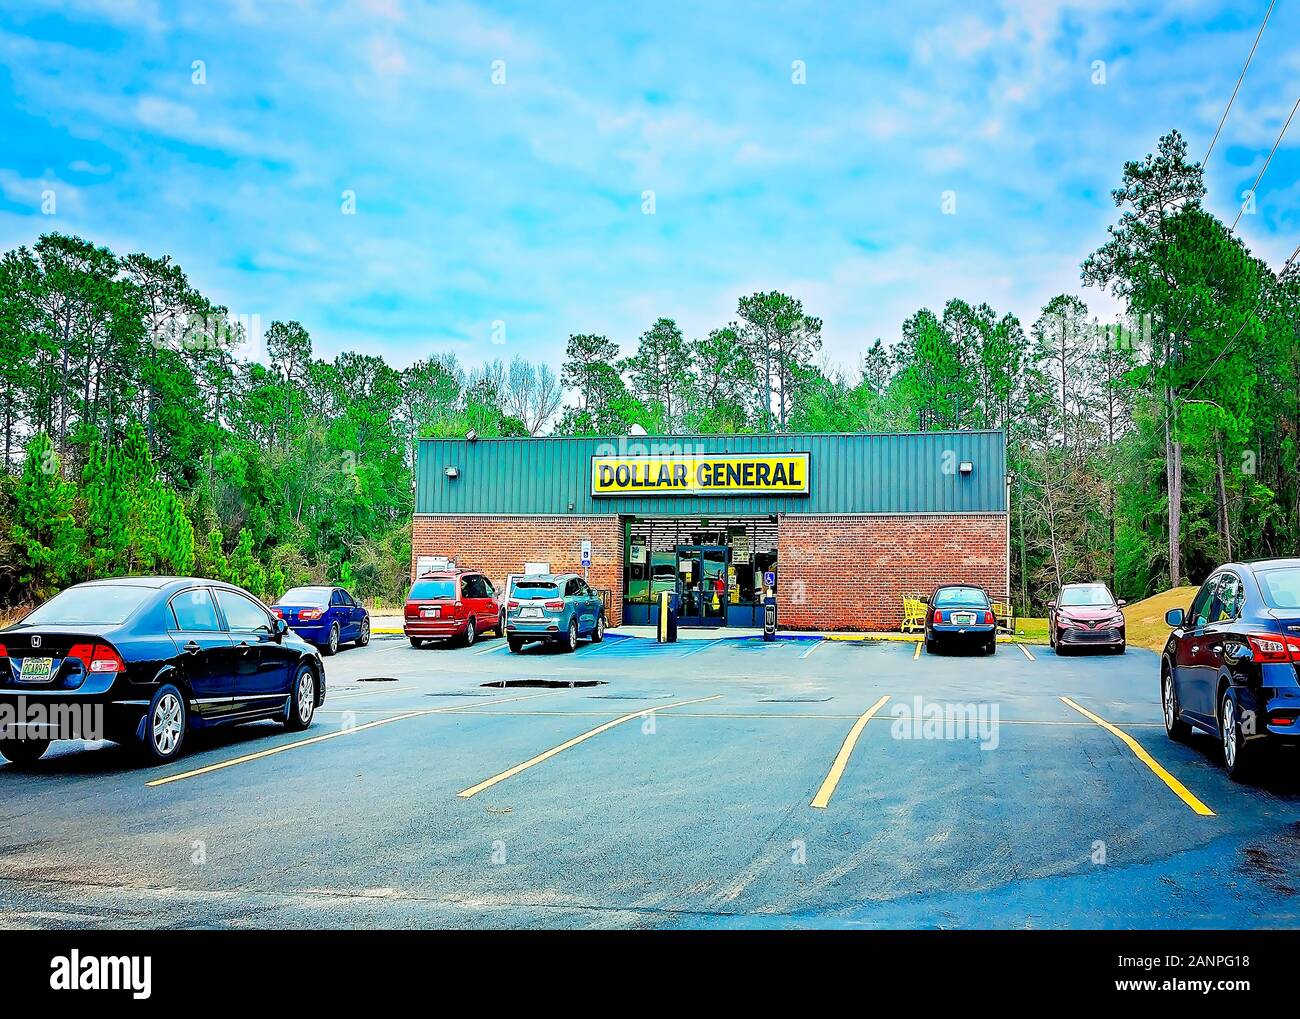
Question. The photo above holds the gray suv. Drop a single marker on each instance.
(556, 608)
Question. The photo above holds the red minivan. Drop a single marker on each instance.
(449, 605)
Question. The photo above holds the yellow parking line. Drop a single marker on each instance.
(832, 779)
(494, 647)
(474, 790)
(1026, 651)
(917, 653)
(271, 751)
(1179, 789)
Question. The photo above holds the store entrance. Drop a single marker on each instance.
(702, 584)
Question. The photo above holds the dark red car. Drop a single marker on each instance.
(451, 605)
(1086, 615)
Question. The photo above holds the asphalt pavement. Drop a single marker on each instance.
(723, 782)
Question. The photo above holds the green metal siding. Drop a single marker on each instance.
(849, 474)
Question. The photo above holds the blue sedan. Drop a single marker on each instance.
(325, 616)
(960, 614)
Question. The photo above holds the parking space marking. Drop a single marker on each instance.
(832, 779)
(494, 647)
(474, 790)
(1180, 790)
(271, 751)
(917, 653)
(707, 645)
(815, 646)
(1026, 651)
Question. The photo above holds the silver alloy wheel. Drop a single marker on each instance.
(573, 635)
(334, 638)
(306, 696)
(1229, 733)
(600, 627)
(1168, 699)
(365, 631)
(167, 724)
(469, 632)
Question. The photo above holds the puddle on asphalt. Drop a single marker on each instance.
(1274, 863)
(378, 679)
(546, 684)
(792, 700)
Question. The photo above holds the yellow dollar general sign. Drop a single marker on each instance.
(701, 474)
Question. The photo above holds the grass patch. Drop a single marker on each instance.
(1031, 629)
(1145, 619)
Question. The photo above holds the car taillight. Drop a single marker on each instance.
(554, 604)
(1274, 649)
(937, 617)
(1281, 719)
(4, 651)
(512, 604)
(988, 617)
(278, 612)
(307, 615)
(97, 658)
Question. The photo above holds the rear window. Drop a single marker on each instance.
(428, 590)
(960, 596)
(101, 605)
(534, 589)
(1083, 597)
(1281, 587)
(314, 596)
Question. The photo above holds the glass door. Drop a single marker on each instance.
(702, 584)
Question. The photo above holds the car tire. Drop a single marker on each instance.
(1238, 755)
(500, 630)
(991, 648)
(416, 641)
(571, 638)
(302, 700)
(1175, 728)
(331, 646)
(598, 634)
(1121, 649)
(165, 726)
(516, 646)
(364, 637)
(471, 632)
(21, 752)
(931, 646)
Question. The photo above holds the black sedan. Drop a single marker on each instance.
(1231, 666)
(143, 660)
(960, 615)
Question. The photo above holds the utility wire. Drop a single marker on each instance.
(1265, 166)
(1249, 57)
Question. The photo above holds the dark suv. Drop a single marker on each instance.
(1231, 666)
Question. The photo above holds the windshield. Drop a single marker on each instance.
(960, 596)
(1281, 587)
(306, 596)
(101, 605)
(534, 589)
(428, 590)
(1091, 596)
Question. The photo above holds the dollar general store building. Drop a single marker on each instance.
(844, 524)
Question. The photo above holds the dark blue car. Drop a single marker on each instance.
(1231, 666)
(325, 616)
(960, 615)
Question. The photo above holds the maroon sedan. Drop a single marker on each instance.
(1086, 615)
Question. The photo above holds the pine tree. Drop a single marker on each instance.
(45, 533)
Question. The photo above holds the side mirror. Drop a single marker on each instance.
(1174, 617)
(280, 627)
(1121, 603)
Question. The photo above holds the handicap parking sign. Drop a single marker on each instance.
(769, 578)
(586, 552)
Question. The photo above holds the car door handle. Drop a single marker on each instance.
(193, 647)
(1196, 648)
(1217, 649)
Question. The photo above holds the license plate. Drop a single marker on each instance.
(530, 613)
(36, 670)
(431, 613)
(963, 617)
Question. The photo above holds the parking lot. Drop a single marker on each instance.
(717, 782)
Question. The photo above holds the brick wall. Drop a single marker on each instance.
(849, 573)
(499, 546)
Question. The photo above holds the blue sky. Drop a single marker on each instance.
(522, 202)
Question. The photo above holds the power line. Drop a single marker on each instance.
(1249, 57)
(1265, 166)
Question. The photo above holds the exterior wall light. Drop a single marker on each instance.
(966, 467)
(452, 473)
